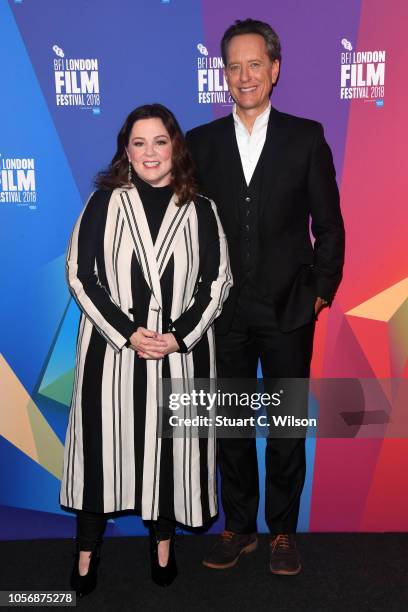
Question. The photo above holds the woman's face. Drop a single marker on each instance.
(149, 151)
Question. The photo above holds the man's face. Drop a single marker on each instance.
(249, 72)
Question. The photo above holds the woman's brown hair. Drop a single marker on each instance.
(182, 182)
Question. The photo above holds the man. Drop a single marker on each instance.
(269, 174)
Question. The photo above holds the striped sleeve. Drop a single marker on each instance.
(84, 283)
(215, 279)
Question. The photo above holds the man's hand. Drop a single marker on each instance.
(149, 343)
(168, 344)
(320, 303)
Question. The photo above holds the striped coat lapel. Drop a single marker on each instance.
(153, 259)
(173, 224)
(139, 229)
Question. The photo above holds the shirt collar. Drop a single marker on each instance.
(260, 122)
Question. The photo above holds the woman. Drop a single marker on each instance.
(148, 266)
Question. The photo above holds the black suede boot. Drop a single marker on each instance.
(83, 585)
(162, 576)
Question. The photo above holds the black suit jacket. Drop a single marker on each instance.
(298, 186)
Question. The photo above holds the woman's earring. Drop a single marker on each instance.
(130, 172)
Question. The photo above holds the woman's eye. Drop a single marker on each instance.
(162, 142)
(138, 144)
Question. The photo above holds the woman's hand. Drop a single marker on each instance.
(148, 344)
(168, 345)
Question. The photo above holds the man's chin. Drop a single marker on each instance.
(248, 104)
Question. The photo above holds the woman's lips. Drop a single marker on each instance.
(151, 164)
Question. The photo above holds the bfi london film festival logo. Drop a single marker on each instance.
(17, 181)
(212, 86)
(362, 74)
(76, 81)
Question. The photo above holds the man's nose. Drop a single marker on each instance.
(244, 76)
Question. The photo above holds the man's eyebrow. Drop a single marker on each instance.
(255, 59)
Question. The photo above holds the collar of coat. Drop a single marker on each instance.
(153, 258)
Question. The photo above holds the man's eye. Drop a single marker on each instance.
(255, 65)
(234, 68)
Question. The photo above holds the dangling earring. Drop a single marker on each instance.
(130, 172)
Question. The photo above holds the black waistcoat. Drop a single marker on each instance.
(249, 198)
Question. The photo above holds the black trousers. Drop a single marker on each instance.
(91, 527)
(254, 336)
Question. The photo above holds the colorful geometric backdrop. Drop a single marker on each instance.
(71, 71)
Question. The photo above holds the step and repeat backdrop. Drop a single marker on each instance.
(70, 73)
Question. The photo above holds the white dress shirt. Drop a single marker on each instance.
(250, 145)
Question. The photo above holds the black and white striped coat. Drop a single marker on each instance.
(114, 459)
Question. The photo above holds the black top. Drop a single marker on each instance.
(248, 197)
(155, 201)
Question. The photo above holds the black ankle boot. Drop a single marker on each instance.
(87, 583)
(163, 576)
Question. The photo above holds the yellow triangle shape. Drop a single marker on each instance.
(22, 423)
(384, 305)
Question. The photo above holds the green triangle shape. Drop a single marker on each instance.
(61, 388)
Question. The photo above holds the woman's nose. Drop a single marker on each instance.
(150, 149)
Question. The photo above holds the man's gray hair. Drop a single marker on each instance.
(252, 26)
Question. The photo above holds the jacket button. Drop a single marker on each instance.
(247, 199)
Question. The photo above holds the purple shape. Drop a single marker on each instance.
(23, 524)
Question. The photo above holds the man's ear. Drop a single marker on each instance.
(275, 71)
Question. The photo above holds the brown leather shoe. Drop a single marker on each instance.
(285, 558)
(228, 549)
